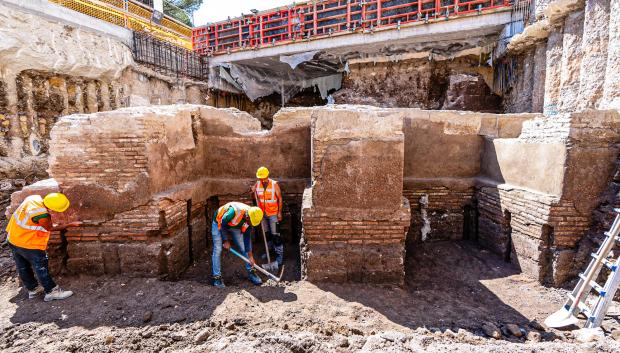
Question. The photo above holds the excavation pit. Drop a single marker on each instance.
(362, 184)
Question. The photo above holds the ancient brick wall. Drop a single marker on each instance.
(354, 216)
(438, 212)
(142, 181)
(538, 226)
(62, 68)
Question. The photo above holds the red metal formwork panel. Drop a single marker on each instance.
(324, 18)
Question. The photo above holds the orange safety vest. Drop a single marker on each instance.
(22, 231)
(240, 210)
(266, 198)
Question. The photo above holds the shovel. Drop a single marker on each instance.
(561, 318)
(269, 266)
(260, 269)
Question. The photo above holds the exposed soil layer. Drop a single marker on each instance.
(453, 288)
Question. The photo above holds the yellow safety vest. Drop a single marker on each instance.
(22, 231)
(240, 210)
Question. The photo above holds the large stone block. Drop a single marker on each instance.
(176, 254)
(141, 259)
(85, 257)
(358, 158)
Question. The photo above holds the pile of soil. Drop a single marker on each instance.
(453, 290)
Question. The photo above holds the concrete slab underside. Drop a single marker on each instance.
(453, 30)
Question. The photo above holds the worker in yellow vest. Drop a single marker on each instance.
(268, 197)
(234, 220)
(28, 233)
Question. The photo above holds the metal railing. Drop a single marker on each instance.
(315, 19)
(135, 16)
(169, 59)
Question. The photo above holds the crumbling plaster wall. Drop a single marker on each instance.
(443, 157)
(51, 68)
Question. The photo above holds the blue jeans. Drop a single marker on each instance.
(270, 225)
(26, 260)
(243, 243)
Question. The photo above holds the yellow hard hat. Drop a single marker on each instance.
(262, 173)
(256, 215)
(56, 202)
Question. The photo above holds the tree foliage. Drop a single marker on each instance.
(173, 8)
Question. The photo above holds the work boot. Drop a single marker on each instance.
(57, 294)
(35, 292)
(279, 254)
(217, 282)
(253, 277)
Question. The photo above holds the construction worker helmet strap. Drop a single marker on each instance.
(256, 215)
(262, 173)
(56, 202)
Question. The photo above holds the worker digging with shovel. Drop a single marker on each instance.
(234, 220)
(268, 197)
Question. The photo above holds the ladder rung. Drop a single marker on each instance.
(581, 306)
(616, 238)
(610, 265)
(597, 287)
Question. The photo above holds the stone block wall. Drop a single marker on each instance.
(354, 215)
(537, 222)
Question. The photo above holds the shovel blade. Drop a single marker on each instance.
(561, 318)
(272, 266)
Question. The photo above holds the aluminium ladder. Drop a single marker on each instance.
(576, 302)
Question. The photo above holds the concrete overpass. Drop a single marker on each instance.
(288, 68)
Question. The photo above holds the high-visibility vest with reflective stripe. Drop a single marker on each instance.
(266, 197)
(22, 231)
(240, 210)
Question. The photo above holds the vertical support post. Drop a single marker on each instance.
(438, 8)
(289, 19)
(456, 7)
(363, 18)
(314, 18)
(125, 10)
(420, 10)
(379, 13)
(261, 29)
(251, 31)
(349, 14)
(216, 35)
(240, 32)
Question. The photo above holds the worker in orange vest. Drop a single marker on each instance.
(28, 233)
(234, 220)
(268, 197)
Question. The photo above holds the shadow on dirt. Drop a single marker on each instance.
(447, 286)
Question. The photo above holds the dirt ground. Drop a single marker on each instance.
(453, 288)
